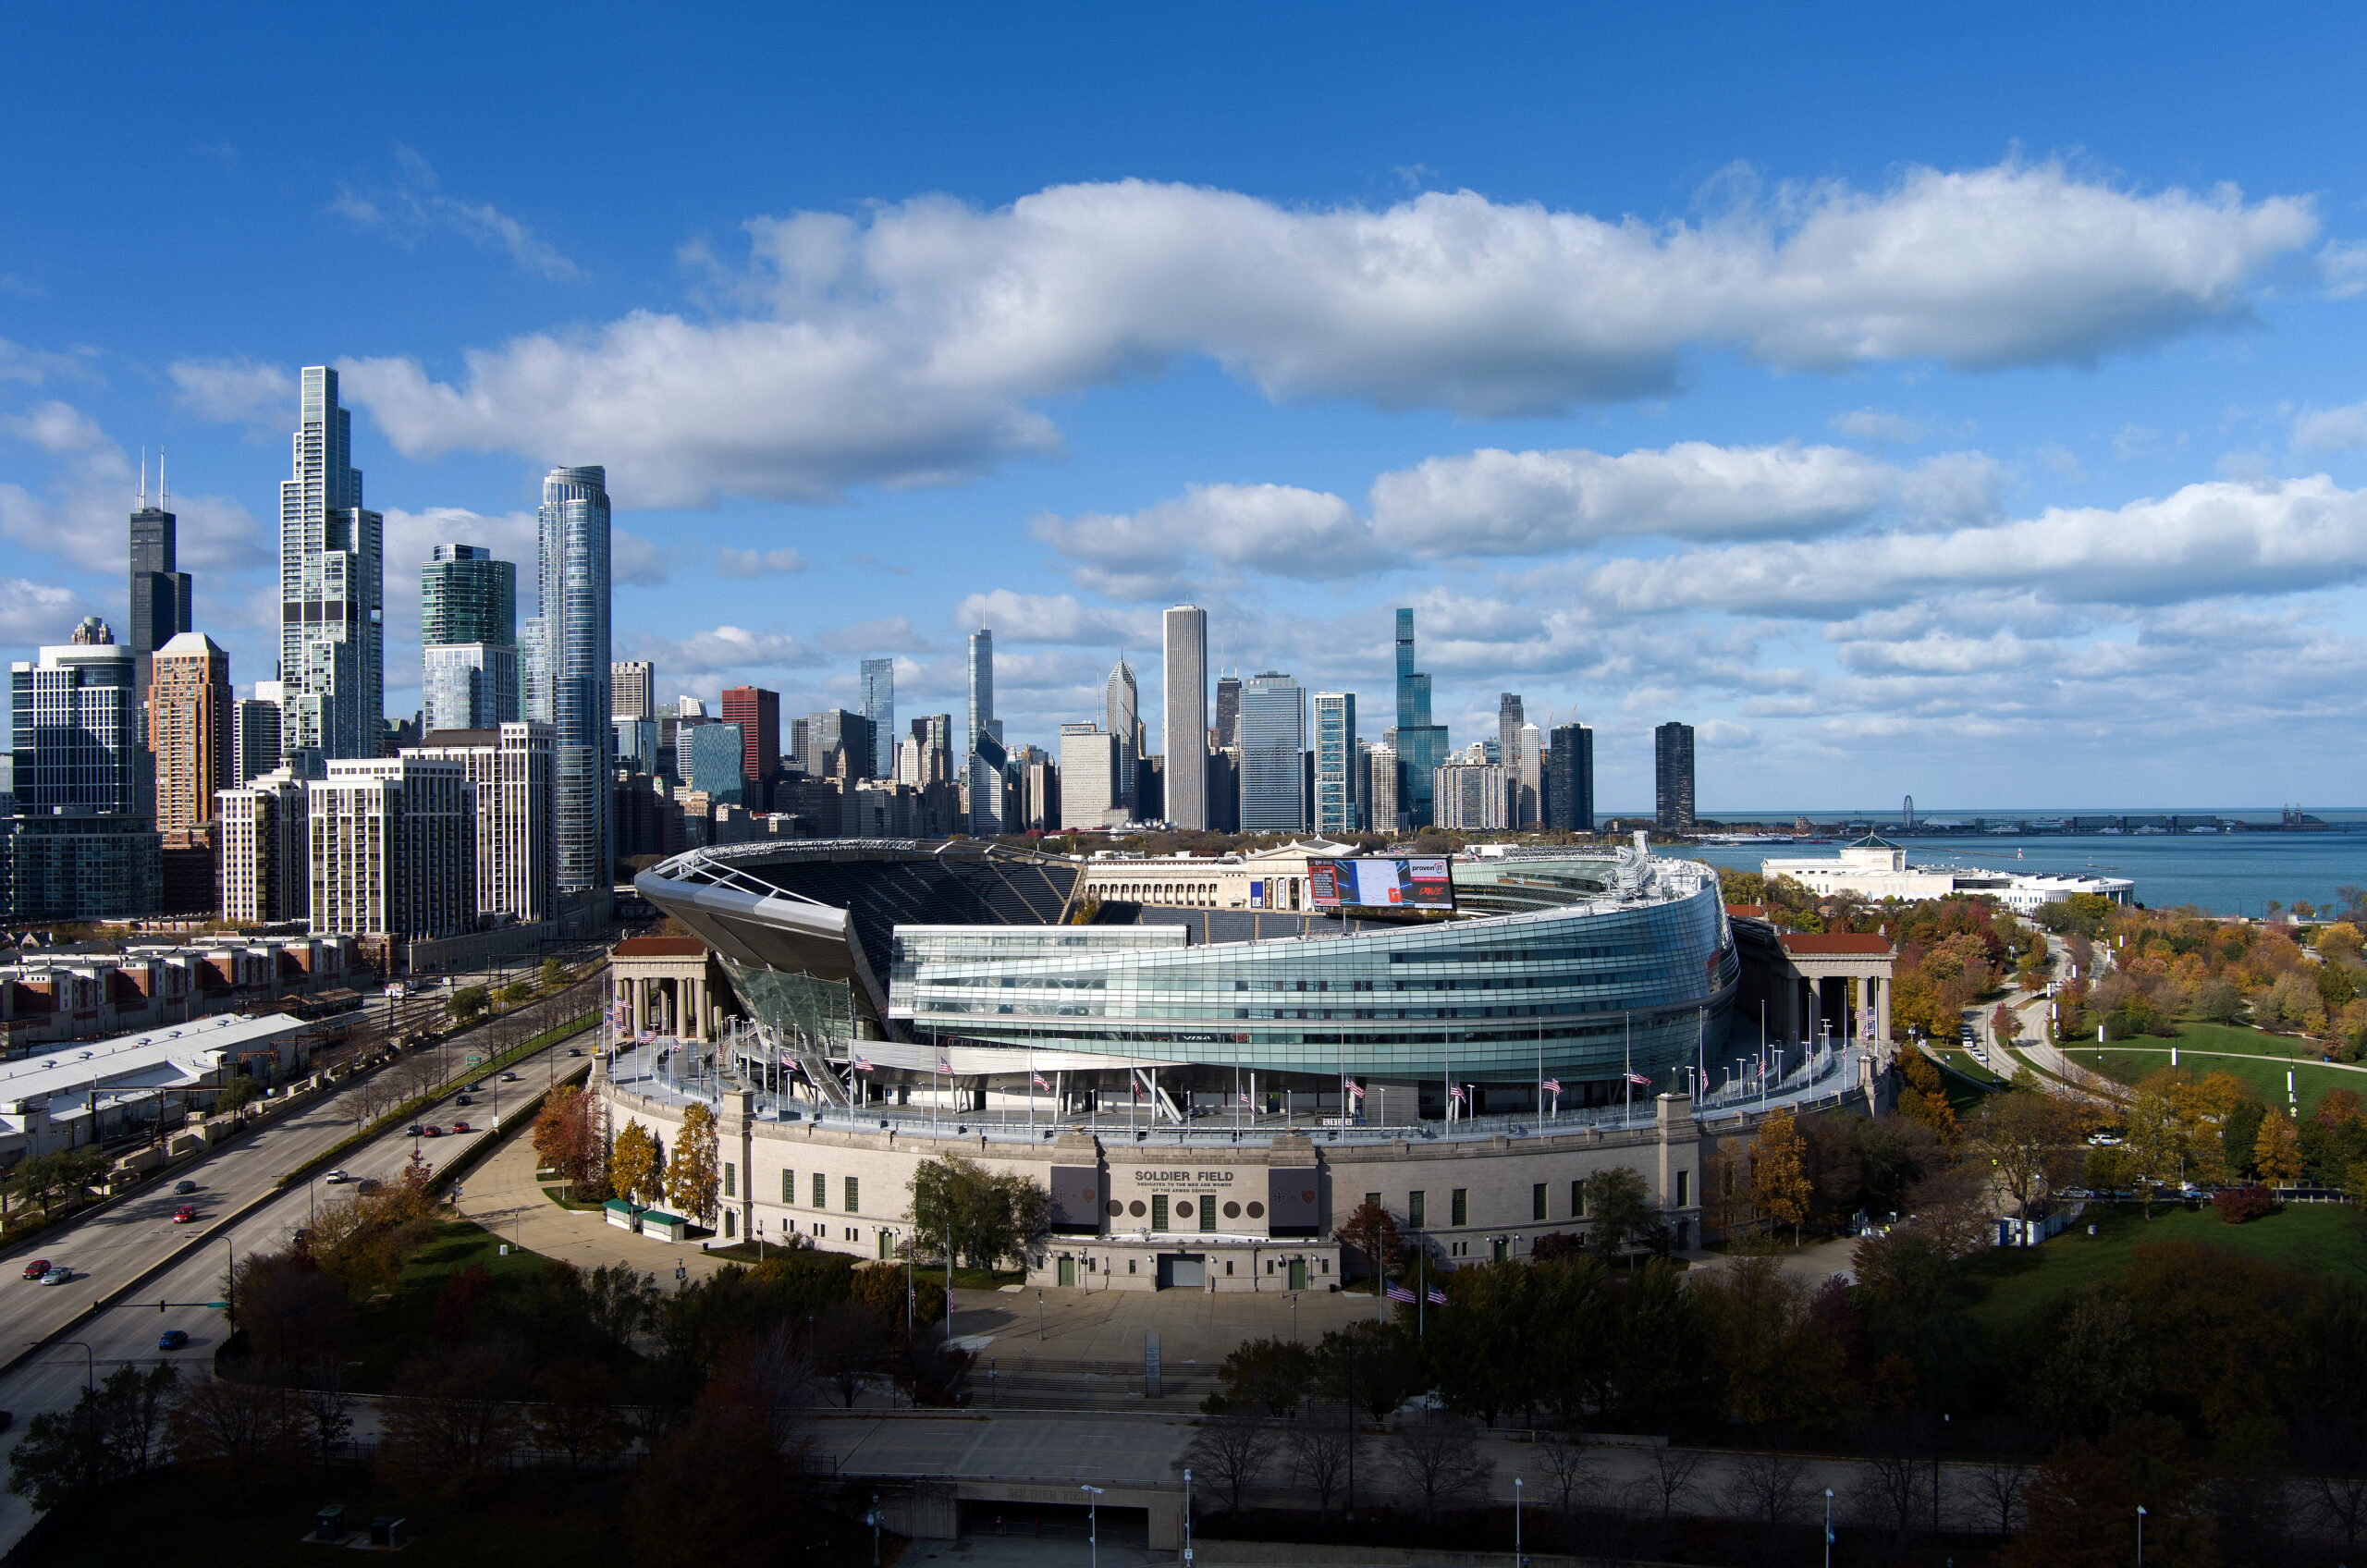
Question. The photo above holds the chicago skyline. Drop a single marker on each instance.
(1750, 433)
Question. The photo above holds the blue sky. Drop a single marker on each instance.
(1971, 411)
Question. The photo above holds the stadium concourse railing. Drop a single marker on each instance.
(653, 1070)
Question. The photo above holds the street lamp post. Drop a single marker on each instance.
(1093, 1524)
(2140, 1535)
(1828, 1527)
(1039, 1315)
(1517, 1559)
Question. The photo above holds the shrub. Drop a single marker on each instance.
(2236, 1205)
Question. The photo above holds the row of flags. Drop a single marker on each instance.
(1398, 1292)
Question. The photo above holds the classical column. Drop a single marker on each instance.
(1882, 1014)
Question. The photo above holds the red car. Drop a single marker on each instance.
(460, 1127)
(185, 1215)
(36, 1269)
(433, 1130)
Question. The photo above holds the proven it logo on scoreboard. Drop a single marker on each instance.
(1381, 882)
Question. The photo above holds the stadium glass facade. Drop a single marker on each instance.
(1578, 967)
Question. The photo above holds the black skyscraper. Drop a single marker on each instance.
(1569, 779)
(160, 595)
(1672, 777)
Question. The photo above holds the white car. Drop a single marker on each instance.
(334, 1177)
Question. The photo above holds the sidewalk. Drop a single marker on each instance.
(502, 1195)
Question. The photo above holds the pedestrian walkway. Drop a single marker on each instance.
(502, 1195)
(1192, 1326)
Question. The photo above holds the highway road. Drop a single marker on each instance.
(110, 1250)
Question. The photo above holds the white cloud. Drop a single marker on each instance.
(416, 204)
(1725, 734)
(1872, 424)
(35, 366)
(35, 613)
(1277, 528)
(2331, 430)
(57, 427)
(78, 516)
(1054, 617)
(757, 563)
(2343, 265)
(236, 391)
(1495, 502)
(905, 347)
(727, 650)
(2204, 540)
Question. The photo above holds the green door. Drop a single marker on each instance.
(1068, 1271)
(1298, 1273)
(1498, 1247)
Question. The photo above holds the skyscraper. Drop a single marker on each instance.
(717, 763)
(1273, 733)
(1383, 813)
(258, 738)
(876, 699)
(632, 689)
(1089, 776)
(1672, 777)
(1510, 717)
(467, 597)
(75, 727)
(393, 849)
(332, 649)
(517, 851)
(1531, 807)
(1421, 745)
(1335, 763)
(574, 650)
(192, 730)
(757, 713)
(1184, 728)
(1569, 791)
(1120, 700)
(1226, 731)
(982, 692)
(160, 595)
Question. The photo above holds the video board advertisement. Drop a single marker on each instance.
(1381, 882)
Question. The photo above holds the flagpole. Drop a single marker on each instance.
(1630, 1053)
(1031, 1087)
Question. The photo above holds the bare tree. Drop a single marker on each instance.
(1568, 1460)
(1436, 1454)
(847, 1342)
(1670, 1475)
(452, 1420)
(1231, 1450)
(1997, 1478)
(1320, 1449)
(1767, 1487)
(238, 1428)
(327, 1409)
(1892, 1490)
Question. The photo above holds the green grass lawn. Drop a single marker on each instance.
(2012, 1281)
(387, 1330)
(1964, 1062)
(2263, 1076)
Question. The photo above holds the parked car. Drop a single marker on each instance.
(185, 1215)
(334, 1178)
(184, 1188)
(36, 1269)
(173, 1339)
(58, 1276)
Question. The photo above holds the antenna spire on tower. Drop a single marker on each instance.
(142, 504)
(164, 492)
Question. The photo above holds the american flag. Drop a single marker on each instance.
(1438, 1297)
(1553, 1085)
(1639, 1080)
(860, 1065)
(1398, 1293)
(1037, 1079)
(1457, 1090)
(1355, 1090)
(945, 1066)
(1245, 1099)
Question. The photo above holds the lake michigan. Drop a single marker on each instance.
(2218, 873)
